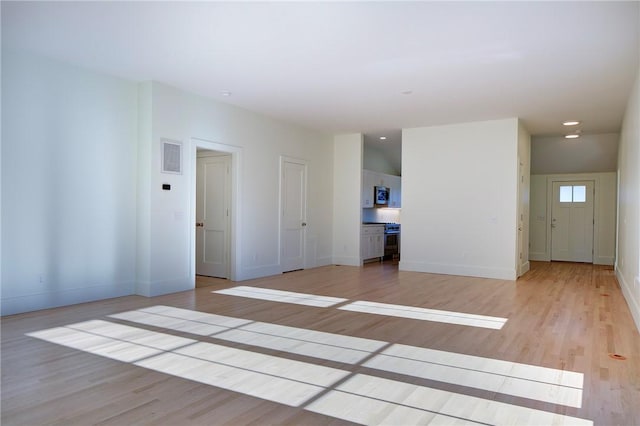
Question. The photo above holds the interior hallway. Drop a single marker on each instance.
(245, 360)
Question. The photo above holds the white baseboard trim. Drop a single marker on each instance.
(259, 272)
(324, 261)
(627, 292)
(603, 260)
(347, 261)
(597, 260)
(54, 299)
(464, 270)
(158, 288)
(540, 257)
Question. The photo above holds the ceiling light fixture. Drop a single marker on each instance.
(225, 93)
(383, 138)
(571, 123)
(573, 136)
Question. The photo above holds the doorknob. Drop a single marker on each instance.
(199, 224)
(304, 224)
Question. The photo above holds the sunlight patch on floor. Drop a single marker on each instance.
(282, 296)
(402, 311)
(335, 392)
(425, 314)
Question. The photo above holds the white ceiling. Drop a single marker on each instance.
(343, 67)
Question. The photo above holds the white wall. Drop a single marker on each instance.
(347, 190)
(259, 141)
(558, 155)
(628, 255)
(68, 184)
(143, 201)
(604, 228)
(538, 249)
(83, 213)
(376, 160)
(459, 199)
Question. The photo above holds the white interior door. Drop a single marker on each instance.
(572, 221)
(293, 199)
(212, 216)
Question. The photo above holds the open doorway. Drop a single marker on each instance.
(214, 211)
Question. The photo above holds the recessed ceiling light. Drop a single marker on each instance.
(383, 138)
(574, 136)
(225, 93)
(571, 123)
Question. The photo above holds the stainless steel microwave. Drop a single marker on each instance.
(381, 196)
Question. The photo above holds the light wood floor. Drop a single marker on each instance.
(560, 315)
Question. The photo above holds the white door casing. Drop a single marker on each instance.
(293, 213)
(212, 216)
(572, 221)
(520, 232)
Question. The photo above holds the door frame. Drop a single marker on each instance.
(284, 159)
(235, 185)
(522, 222)
(568, 179)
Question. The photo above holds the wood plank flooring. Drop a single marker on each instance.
(206, 358)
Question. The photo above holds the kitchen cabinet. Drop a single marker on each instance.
(368, 182)
(395, 197)
(372, 241)
(371, 179)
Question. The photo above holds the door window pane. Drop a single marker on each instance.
(579, 194)
(566, 194)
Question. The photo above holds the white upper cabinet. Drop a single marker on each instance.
(395, 197)
(368, 182)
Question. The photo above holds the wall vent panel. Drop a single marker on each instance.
(171, 156)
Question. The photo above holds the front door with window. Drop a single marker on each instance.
(572, 221)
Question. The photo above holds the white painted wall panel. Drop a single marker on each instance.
(68, 184)
(538, 219)
(628, 259)
(604, 252)
(83, 213)
(181, 116)
(459, 199)
(347, 189)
